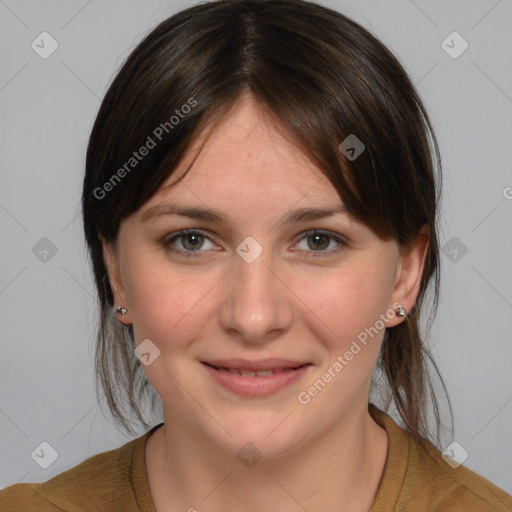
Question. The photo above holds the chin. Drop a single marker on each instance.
(259, 434)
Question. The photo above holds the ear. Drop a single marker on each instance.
(409, 273)
(110, 257)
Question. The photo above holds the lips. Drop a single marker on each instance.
(256, 378)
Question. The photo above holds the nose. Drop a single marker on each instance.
(256, 307)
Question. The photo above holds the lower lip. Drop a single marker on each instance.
(257, 386)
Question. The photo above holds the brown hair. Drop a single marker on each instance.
(323, 77)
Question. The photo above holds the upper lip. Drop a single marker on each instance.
(271, 363)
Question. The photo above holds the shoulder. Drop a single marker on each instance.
(452, 488)
(91, 485)
(418, 478)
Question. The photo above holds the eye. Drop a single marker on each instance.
(318, 240)
(192, 241)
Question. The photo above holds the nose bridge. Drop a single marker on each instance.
(254, 305)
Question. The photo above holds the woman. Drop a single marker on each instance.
(260, 207)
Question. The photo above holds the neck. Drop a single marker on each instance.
(339, 470)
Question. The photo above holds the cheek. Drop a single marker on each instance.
(346, 302)
(164, 299)
(346, 316)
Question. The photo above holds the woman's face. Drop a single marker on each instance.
(254, 288)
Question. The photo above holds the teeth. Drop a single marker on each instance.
(265, 372)
(253, 373)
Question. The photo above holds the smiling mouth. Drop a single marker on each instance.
(256, 379)
(246, 372)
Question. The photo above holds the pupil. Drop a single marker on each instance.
(318, 238)
(190, 237)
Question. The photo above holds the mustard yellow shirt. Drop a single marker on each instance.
(415, 479)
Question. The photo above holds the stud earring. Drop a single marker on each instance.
(400, 312)
(121, 310)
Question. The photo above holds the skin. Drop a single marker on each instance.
(286, 304)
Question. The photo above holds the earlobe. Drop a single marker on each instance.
(112, 265)
(409, 274)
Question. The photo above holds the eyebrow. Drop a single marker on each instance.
(215, 216)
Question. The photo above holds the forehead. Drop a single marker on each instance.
(248, 157)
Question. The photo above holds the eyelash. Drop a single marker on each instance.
(167, 242)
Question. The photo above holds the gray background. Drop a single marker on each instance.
(47, 300)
